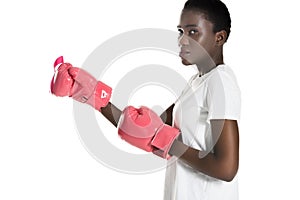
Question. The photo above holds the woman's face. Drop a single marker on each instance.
(197, 40)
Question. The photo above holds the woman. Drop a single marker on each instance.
(206, 113)
(206, 152)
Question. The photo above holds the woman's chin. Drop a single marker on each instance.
(185, 62)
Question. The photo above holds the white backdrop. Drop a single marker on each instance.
(41, 154)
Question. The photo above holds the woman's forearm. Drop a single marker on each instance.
(223, 162)
(166, 116)
(111, 113)
(207, 163)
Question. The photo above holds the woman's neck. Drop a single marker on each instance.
(210, 63)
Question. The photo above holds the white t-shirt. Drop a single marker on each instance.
(215, 95)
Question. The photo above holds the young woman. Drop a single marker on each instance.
(206, 113)
(205, 155)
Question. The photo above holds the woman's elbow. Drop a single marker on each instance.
(229, 173)
(229, 177)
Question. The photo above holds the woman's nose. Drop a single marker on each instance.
(183, 40)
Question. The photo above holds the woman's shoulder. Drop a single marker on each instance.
(223, 75)
(222, 72)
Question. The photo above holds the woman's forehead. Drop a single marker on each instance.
(191, 18)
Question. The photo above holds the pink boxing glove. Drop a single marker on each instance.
(62, 82)
(80, 85)
(143, 128)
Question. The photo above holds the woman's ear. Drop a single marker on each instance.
(221, 37)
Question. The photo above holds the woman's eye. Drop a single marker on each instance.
(192, 32)
(180, 31)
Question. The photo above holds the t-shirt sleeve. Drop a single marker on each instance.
(223, 97)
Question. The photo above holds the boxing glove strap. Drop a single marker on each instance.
(163, 140)
(102, 95)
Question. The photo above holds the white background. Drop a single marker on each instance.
(41, 155)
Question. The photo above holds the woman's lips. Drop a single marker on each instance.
(184, 54)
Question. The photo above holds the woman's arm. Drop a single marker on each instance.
(166, 116)
(223, 162)
(111, 113)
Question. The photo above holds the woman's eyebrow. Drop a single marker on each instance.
(188, 25)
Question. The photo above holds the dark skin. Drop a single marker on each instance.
(221, 162)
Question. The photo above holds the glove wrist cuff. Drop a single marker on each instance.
(163, 140)
(101, 96)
